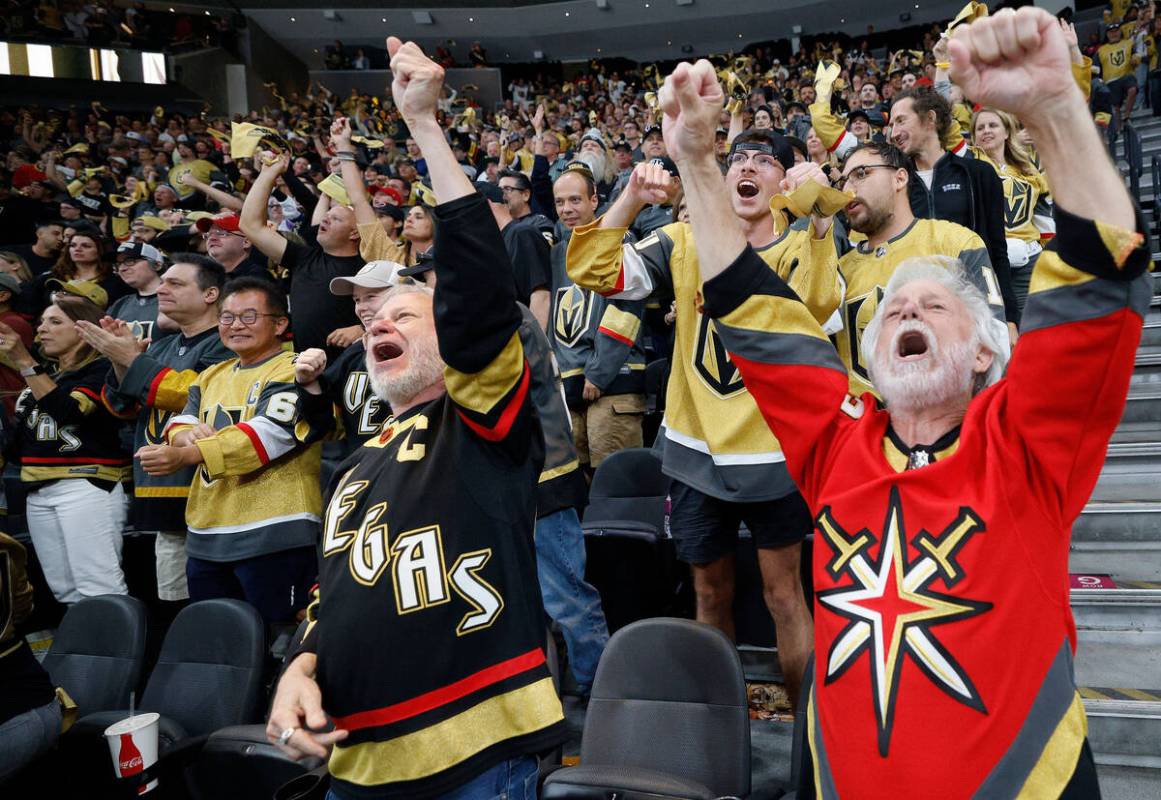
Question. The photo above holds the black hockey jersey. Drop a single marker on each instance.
(429, 628)
(69, 433)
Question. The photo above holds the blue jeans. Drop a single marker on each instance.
(277, 584)
(509, 780)
(571, 602)
(27, 736)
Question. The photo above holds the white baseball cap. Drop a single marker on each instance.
(372, 275)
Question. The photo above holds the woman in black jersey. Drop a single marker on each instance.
(68, 448)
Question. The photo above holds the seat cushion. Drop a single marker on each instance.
(597, 781)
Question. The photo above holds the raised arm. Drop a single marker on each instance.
(1070, 371)
(352, 178)
(223, 199)
(409, 86)
(252, 220)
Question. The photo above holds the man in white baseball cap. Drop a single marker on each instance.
(344, 383)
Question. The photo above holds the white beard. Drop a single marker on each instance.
(424, 370)
(599, 164)
(942, 376)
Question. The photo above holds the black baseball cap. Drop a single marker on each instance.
(667, 164)
(858, 112)
(623, 145)
(491, 192)
(651, 129)
(765, 141)
(423, 262)
(388, 210)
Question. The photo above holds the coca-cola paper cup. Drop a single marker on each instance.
(133, 745)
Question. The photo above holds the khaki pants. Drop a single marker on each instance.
(611, 423)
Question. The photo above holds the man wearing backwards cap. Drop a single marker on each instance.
(344, 383)
(726, 466)
(140, 266)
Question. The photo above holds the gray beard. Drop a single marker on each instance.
(943, 376)
(424, 370)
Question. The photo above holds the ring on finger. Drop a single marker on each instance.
(284, 737)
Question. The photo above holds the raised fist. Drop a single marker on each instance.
(309, 365)
(691, 100)
(651, 183)
(416, 80)
(1017, 61)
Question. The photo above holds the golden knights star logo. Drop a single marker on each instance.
(574, 307)
(1017, 204)
(711, 361)
(858, 312)
(892, 609)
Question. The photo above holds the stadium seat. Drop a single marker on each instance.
(627, 497)
(629, 560)
(800, 747)
(208, 677)
(98, 650)
(656, 731)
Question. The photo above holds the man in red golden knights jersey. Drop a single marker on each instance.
(943, 635)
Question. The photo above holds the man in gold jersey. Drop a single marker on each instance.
(726, 466)
(1117, 63)
(878, 174)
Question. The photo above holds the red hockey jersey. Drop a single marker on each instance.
(943, 634)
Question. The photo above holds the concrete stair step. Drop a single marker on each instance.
(1132, 472)
(1122, 539)
(1125, 609)
(1125, 733)
(1143, 408)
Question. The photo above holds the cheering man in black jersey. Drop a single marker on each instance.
(426, 646)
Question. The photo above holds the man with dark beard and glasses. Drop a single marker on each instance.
(878, 174)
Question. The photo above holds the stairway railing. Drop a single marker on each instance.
(1155, 172)
(1133, 154)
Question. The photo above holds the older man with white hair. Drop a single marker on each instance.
(427, 642)
(943, 518)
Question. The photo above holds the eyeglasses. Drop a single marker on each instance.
(129, 262)
(212, 232)
(247, 317)
(859, 174)
(762, 162)
(506, 189)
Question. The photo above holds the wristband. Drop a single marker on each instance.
(35, 369)
(345, 155)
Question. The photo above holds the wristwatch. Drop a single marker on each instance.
(35, 369)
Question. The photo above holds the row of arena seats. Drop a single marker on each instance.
(668, 715)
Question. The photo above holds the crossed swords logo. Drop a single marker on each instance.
(891, 608)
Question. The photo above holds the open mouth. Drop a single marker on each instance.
(912, 344)
(747, 188)
(387, 351)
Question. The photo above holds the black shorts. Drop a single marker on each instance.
(705, 528)
(1120, 87)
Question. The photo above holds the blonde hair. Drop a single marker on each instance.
(22, 272)
(1015, 154)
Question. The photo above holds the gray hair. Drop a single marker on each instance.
(409, 288)
(950, 273)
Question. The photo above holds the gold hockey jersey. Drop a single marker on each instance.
(257, 490)
(867, 271)
(713, 437)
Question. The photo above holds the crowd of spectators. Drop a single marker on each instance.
(146, 261)
(103, 23)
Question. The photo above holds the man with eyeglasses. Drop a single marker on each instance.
(226, 244)
(150, 388)
(879, 174)
(253, 510)
(139, 265)
(727, 467)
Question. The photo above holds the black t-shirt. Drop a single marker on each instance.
(529, 251)
(253, 266)
(37, 264)
(18, 218)
(314, 311)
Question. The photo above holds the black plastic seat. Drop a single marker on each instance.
(630, 561)
(97, 652)
(208, 677)
(668, 718)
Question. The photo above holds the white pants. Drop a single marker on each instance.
(76, 530)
